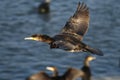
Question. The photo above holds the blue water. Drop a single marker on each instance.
(20, 58)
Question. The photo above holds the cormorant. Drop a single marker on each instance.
(70, 37)
(86, 68)
(44, 7)
(85, 72)
(70, 74)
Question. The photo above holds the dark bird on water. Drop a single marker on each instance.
(70, 74)
(70, 37)
(44, 7)
(85, 73)
(86, 68)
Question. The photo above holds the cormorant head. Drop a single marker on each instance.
(35, 37)
(40, 37)
(90, 58)
(54, 70)
(46, 1)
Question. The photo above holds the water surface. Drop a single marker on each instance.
(20, 58)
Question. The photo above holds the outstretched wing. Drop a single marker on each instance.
(78, 23)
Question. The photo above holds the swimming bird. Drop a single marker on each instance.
(70, 74)
(85, 72)
(70, 37)
(86, 68)
(44, 7)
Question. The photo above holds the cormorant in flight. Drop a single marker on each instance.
(70, 37)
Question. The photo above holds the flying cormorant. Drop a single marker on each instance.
(70, 37)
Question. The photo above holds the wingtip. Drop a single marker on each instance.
(82, 7)
(99, 52)
(95, 51)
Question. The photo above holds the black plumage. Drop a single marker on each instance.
(86, 68)
(70, 37)
(70, 74)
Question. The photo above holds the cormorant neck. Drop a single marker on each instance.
(86, 63)
(47, 39)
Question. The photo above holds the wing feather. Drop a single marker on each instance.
(78, 23)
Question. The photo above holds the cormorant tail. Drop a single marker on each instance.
(94, 51)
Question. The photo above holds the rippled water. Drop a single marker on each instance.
(20, 58)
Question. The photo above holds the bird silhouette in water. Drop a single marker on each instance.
(70, 74)
(70, 37)
(44, 7)
(86, 68)
(84, 72)
(39, 76)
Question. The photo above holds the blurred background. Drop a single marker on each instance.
(20, 58)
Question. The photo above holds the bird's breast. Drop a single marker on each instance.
(65, 45)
